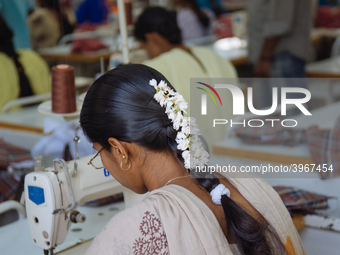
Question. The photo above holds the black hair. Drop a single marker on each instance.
(157, 19)
(120, 104)
(7, 47)
(201, 15)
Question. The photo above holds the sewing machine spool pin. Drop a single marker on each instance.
(38, 163)
(76, 139)
(75, 169)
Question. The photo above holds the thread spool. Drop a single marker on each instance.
(63, 89)
(128, 12)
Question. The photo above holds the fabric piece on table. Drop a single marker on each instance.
(12, 184)
(324, 147)
(11, 154)
(87, 45)
(300, 201)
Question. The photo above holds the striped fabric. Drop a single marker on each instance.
(324, 147)
(11, 154)
(9, 187)
(300, 201)
(11, 184)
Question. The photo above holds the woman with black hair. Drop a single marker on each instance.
(23, 72)
(194, 22)
(134, 118)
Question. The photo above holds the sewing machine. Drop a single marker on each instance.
(53, 194)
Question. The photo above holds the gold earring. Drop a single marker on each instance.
(123, 157)
(121, 166)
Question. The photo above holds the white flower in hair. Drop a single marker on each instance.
(172, 115)
(186, 160)
(162, 85)
(169, 106)
(184, 122)
(178, 120)
(181, 136)
(186, 155)
(159, 96)
(193, 127)
(195, 146)
(153, 82)
(183, 144)
(187, 130)
(182, 104)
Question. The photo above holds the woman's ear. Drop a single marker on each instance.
(154, 44)
(119, 149)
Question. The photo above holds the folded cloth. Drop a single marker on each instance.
(59, 136)
(11, 154)
(300, 201)
(87, 45)
(272, 132)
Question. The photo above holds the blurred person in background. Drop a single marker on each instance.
(279, 37)
(194, 21)
(15, 13)
(49, 23)
(158, 33)
(22, 72)
(279, 45)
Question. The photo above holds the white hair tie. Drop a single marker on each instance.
(218, 192)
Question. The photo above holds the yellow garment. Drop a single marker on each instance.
(36, 70)
(178, 66)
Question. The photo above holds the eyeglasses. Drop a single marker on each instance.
(97, 164)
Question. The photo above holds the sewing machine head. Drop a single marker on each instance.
(53, 194)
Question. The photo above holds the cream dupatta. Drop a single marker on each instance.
(172, 220)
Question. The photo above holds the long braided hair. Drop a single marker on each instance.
(7, 47)
(120, 104)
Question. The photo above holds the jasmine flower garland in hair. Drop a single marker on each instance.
(187, 130)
